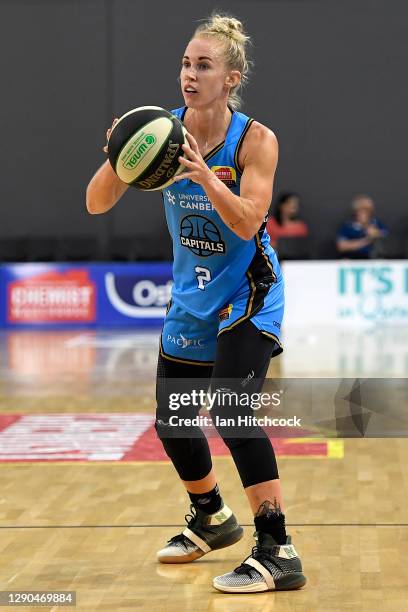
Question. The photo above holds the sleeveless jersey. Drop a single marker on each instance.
(211, 263)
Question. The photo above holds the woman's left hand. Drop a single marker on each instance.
(196, 168)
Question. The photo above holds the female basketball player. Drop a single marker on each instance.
(223, 321)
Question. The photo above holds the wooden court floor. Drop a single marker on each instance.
(94, 526)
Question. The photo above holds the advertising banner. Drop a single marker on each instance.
(331, 293)
(346, 293)
(58, 295)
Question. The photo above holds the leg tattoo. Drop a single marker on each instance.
(268, 508)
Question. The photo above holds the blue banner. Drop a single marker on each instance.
(60, 295)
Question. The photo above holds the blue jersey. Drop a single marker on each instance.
(211, 263)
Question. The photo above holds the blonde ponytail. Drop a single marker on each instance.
(230, 31)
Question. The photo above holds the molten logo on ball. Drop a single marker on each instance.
(138, 150)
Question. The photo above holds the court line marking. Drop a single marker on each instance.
(43, 462)
(178, 525)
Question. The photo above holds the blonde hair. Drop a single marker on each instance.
(231, 33)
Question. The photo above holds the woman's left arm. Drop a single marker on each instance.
(245, 213)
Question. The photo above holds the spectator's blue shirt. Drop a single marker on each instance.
(351, 230)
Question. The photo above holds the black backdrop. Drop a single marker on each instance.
(328, 79)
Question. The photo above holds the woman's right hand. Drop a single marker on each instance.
(108, 133)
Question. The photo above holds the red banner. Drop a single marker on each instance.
(52, 297)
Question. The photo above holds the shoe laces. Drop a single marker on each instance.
(261, 554)
(190, 520)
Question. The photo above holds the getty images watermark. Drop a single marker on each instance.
(222, 398)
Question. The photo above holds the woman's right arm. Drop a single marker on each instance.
(104, 190)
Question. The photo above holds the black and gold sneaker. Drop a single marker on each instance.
(270, 567)
(204, 533)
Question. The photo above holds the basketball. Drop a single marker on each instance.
(144, 147)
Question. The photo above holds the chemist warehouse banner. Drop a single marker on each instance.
(346, 293)
(337, 293)
(84, 294)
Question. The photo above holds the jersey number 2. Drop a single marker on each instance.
(203, 276)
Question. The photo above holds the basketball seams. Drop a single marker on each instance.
(140, 108)
(126, 144)
(135, 157)
(154, 166)
(148, 169)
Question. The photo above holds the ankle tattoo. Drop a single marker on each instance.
(269, 508)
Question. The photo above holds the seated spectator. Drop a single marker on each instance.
(284, 222)
(356, 237)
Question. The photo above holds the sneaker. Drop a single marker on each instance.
(270, 567)
(204, 533)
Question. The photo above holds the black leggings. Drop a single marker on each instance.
(241, 363)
